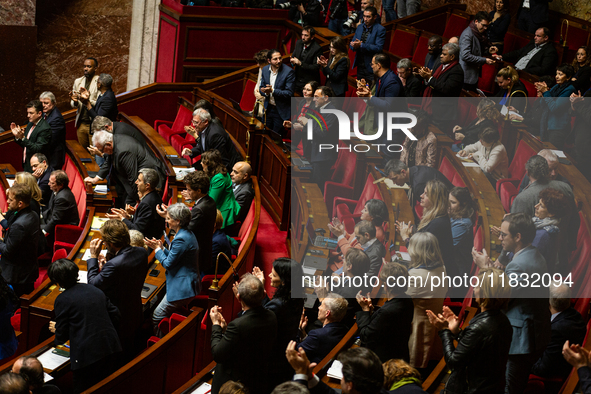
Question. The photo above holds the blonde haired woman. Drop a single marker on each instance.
(426, 263)
(512, 92)
(25, 178)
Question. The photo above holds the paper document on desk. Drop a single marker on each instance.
(559, 153)
(47, 377)
(97, 223)
(180, 172)
(391, 184)
(82, 276)
(86, 255)
(309, 271)
(310, 300)
(336, 370)
(470, 164)
(101, 189)
(52, 361)
(203, 389)
(505, 110)
(10, 182)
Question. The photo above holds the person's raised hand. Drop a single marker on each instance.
(161, 210)
(452, 320)
(364, 302)
(52, 326)
(303, 321)
(287, 124)
(186, 152)
(298, 360)
(436, 320)
(256, 271)
(94, 151)
(481, 259)
(575, 355)
(96, 246)
(215, 314)
(84, 94)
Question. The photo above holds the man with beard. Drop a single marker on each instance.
(432, 60)
(88, 81)
(304, 59)
(369, 39)
(36, 137)
(473, 47)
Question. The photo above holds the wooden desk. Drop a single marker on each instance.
(325, 32)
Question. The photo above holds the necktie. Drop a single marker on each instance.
(25, 150)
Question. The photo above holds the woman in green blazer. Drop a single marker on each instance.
(220, 188)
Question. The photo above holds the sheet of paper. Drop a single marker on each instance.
(336, 370)
(86, 256)
(392, 185)
(203, 389)
(101, 189)
(309, 271)
(310, 300)
(10, 182)
(82, 276)
(97, 222)
(180, 172)
(52, 361)
(46, 377)
(559, 153)
(470, 164)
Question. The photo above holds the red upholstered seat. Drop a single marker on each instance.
(175, 320)
(248, 99)
(421, 50)
(341, 182)
(419, 210)
(458, 181)
(455, 25)
(348, 210)
(517, 166)
(403, 41)
(513, 41)
(507, 193)
(180, 141)
(582, 305)
(15, 320)
(467, 111)
(579, 262)
(3, 200)
(447, 169)
(487, 79)
(167, 128)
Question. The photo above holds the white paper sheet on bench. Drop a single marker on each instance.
(51, 360)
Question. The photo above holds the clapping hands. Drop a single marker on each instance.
(446, 319)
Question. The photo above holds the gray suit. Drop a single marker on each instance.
(526, 201)
(470, 56)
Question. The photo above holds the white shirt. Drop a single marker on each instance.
(272, 83)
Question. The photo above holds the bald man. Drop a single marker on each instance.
(32, 371)
(242, 185)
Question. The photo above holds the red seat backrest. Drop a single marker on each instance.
(183, 118)
(467, 111)
(458, 181)
(245, 237)
(478, 239)
(3, 200)
(455, 25)
(447, 169)
(421, 51)
(243, 232)
(59, 254)
(370, 191)
(248, 99)
(487, 79)
(403, 42)
(522, 155)
(579, 261)
(345, 167)
(70, 168)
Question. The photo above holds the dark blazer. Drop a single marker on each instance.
(202, 224)
(242, 352)
(389, 97)
(325, 134)
(57, 146)
(219, 244)
(373, 44)
(583, 77)
(38, 142)
(62, 209)
(18, 250)
(323, 388)
(567, 326)
(43, 184)
(436, 63)
(121, 128)
(418, 178)
(128, 157)
(498, 29)
(309, 70)
(122, 279)
(585, 379)
(283, 90)
(517, 100)
(440, 227)
(244, 195)
(321, 341)
(473, 130)
(106, 105)
(336, 77)
(449, 84)
(86, 317)
(217, 138)
(485, 341)
(471, 56)
(542, 63)
(388, 329)
(414, 89)
(145, 219)
(376, 252)
(538, 10)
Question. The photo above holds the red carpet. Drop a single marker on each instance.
(270, 245)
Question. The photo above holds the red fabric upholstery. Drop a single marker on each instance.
(582, 306)
(3, 200)
(348, 210)
(248, 99)
(355, 105)
(167, 129)
(66, 237)
(508, 191)
(421, 51)
(419, 210)
(579, 262)
(455, 26)
(180, 141)
(59, 254)
(447, 169)
(175, 320)
(458, 181)
(517, 166)
(403, 42)
(487, 79)
(467, 111)
(341, 183)
(245, 237)
(513, 42)
(15, 320)
(248, 220)
(152, 341)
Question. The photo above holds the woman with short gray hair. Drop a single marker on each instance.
(181, 262)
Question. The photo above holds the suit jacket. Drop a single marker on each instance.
(321, 341)
(567, 326)
(57, 146)
(471, 56)
(202, 224)
(92, 89)
(106, 105)
(376, 252)
(38, 142)
(126, 129)
(182, 266)
(62, 209)
(128, 157)
(122, 279)
(585, 379)
(244, 194)
(309, 70)
(413, 90)
(282, 91)
(372, 45)
(440, 227)
(217, 138)
(538, 10)
(326, 132)
(86, 317)
(336, 77)
(18, 250)
(436, 63)
(542, 63)
(323, 388)
(528, 308)
(219, 244)
(387, 330)
(220, 190)
(449, 84)
(242, 352)
(145, 219)
(43, 184)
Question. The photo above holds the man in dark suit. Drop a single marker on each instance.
(416, 177)
(277, 86)
(53, 116)
(31, 370)
(363, 372)
(62, 207)
(446, 81)
(145, 217)
(127, 157)
(319, 342)
(432, 58)
(242, 348)
(365, 232)
(538, 57)
(567, 325)
(528, 307)
(36, 137)
(210, 135)
(304, 59)
(413, 85)
(106, 103)
(18, 249)
(85, 317)
(369, 40)
(532, 15)
(121, 277)
(42, 171)
(243, 190)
